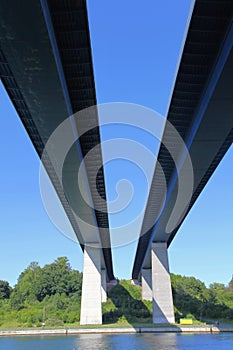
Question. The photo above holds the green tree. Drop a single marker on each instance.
(230, 286)
(5, 290)
(25, 288)
(57, 278)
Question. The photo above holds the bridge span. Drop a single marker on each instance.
(201, 110)
(46, 69)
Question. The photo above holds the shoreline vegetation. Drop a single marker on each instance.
(47, 300)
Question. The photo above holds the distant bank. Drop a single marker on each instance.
(50, 296)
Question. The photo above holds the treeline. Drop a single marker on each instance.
(51, 296)
(47, 295)
(35, 283)
(191, 296)
(192, 299)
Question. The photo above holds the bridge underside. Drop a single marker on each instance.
(201, 110)
(46, 69)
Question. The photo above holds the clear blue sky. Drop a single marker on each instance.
(135, 50)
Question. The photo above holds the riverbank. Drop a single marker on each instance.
(116, 330)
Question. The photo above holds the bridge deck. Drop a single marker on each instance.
(200, 110)
(44, 93)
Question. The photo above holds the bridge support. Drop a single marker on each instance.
(103, 286)
(91, 309)
(163, 311)
(146, 284)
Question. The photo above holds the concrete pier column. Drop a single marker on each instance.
(103, 286)
(91, 310)
(163, 311)
(146, 284)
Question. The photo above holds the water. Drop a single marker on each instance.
(163, 341)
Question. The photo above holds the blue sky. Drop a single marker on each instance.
(135, 51)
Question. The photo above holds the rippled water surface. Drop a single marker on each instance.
(161, 341)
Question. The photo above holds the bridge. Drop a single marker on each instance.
(201, 110)
(46, 69)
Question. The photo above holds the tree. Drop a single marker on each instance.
(75, 283)
(5, 290)
(215, 287)
(230, 286)
(57, 278)
(25, 287)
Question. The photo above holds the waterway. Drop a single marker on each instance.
(160, 341)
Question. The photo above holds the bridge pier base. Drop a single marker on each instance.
(146, 284)
(163, 311)
(91, 308)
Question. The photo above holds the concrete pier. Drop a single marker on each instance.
(103, 286)
(147, 284)
(91, 309)
(163, 311)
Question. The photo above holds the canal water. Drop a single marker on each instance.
(163, 341)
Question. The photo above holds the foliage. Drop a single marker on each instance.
(124, 305)
(35, 283)
(192, 296)
(5, 290)
(48, 295)
(57, 278)
(51, 296)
